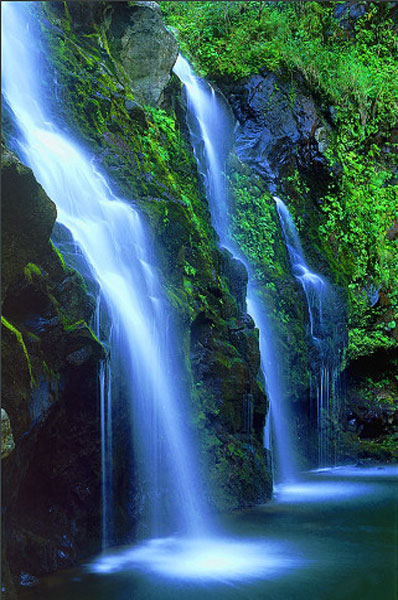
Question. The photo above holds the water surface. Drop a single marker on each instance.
(333, 536)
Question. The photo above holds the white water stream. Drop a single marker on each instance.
(117, 248)
(321, 306)
(210, 129)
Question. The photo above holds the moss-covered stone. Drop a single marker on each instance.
(28, 216)
(49, 388)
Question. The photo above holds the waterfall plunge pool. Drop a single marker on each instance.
(330, 536)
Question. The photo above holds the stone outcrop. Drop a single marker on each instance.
(143, 46)
(280, 127)
(50, 422)
(28, 217)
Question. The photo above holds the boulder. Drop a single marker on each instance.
(140, 42)
(392, 233)
(348, 13)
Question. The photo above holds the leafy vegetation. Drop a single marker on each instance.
(350, 68)
(349, 225)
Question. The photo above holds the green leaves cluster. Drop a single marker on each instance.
(254, 222)
(237, 39)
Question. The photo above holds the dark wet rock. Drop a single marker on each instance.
(371, 414)
(7, 438)
(49, 392)
(348, 13)
(84, 15)
(280, 127)
(392, 233)
(228, 368)
(28, 216)
(136, 113)
(27, 580)
(374, 421)
(238, 278)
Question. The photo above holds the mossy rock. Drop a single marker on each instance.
(28, 217)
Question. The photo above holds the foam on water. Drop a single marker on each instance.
(319, 491)
(359, 471)
(200, 559)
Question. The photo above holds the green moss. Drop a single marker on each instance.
(254, 222)
(31, 271)
(59, 255)
(383, 449)
(82, 325)
(20, 340)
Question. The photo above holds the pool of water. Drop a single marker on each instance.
(330, 536)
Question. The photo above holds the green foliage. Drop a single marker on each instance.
(356, 219)
(355, 72)
(254, 223)
(384, 449)
(363, 342)
(236, 39)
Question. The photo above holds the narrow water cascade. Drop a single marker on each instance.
(113, 239)
(211, 126)
(326, 339)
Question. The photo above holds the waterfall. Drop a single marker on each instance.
(116, 246)
(210, 126)
(323, 318)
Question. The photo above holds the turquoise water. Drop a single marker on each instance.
(333, 536)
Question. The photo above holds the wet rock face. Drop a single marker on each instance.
(225, 362)
(279, 127)
(28, 216)
(145, 48)
(50, 423)
(348, 13)
(370, 422)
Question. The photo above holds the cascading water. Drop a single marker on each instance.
(113, 240)
(210, 128)
(323, 316)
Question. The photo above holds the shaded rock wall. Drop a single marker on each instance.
(51, 479)
(280, 127)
